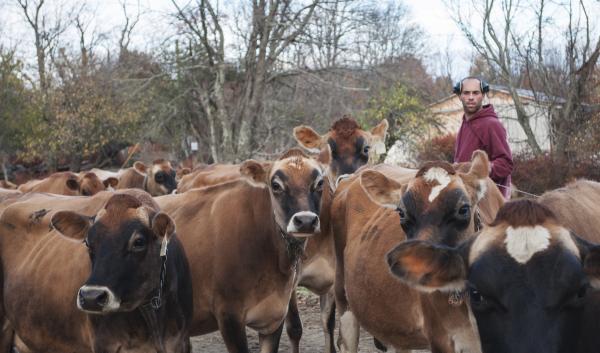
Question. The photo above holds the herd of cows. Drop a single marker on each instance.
(141, 259)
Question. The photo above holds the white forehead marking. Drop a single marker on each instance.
(524, 242)
(440, 176)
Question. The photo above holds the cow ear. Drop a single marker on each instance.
(73, 184)
(257, 174)
(110, 181)
(382, 190)
(70, 224)
(591, 265)
(428, 267)
(183, 171)
(164, 228)
(480, 164)
(308, 138)
(378, 133)
(325, 157)
(140, 167)
(163, 225)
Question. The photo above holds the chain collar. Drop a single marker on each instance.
(149, 310)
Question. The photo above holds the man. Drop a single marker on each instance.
(482, 130)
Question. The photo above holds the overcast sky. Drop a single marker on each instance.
(431, 15)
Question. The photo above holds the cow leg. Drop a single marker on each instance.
(327, 302)
(233, 331)
(349, 333)
(270, 343)
(293, 324)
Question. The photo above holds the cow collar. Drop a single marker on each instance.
(149, 310)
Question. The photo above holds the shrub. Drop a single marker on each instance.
(436, 148)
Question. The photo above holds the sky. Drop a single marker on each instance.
(433, 16)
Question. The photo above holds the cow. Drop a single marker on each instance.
(374, 211)
(210, 175)
(529, 278)
(99, 274)
(251, 234)
(351, 147)
(159, 179)
(70, 184)
(5, 184)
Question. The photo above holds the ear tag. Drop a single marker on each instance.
(163, 247)
(379, 147)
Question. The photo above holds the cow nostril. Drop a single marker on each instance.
(298, 221)
(314, 221)
(102, 299)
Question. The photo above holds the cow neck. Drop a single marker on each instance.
(293, 251)
(150, 309)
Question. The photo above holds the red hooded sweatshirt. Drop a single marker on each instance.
(485, 132)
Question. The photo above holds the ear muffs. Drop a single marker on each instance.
(483, 86)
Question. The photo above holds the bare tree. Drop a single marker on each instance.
(46, 36)
(557, 71)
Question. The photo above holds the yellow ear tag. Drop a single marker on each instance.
(163, 247)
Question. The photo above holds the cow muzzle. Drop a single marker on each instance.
(304, 224)
(97, 299)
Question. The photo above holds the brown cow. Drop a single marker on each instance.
(159, 179)
(351, 147)
(438, 204)
(5, 184)
(53, 288)
(251, 234)
(210, 175)
(70, 184)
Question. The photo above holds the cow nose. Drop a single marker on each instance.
(304, 222)
(93, 298)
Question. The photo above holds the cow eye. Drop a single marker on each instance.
(366, 149)
(159, 177)
(276, 187)
(139, 243)
(463, 211)
(479, 302)
(401, 213)
(319, 186)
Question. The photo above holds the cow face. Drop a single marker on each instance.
(89, 184)
(437, 205)
(160, 179)
(295, 184)
(124, 242)
(351, 147)
(528, 279)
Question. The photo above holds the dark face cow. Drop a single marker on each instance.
(351, 147)
(134, 300)
(527, 277)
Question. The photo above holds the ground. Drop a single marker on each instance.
(312, 338)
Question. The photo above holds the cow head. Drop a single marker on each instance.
(89, 184)
(295, 184)
(160, 178)
(527, 278)
(437, 205)
(124, 241)
(351, 147)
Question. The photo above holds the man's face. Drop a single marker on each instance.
(471, 95)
